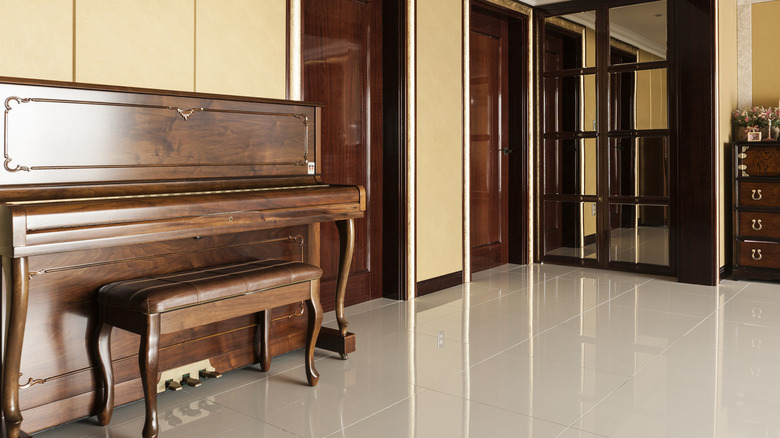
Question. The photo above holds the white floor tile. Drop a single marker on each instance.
(522, 351)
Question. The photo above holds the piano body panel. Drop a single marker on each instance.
(62, 293)
(101, 184)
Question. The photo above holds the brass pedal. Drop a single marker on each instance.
(173, 385)
(211, 374)
(192, 382)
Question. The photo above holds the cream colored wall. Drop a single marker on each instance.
(727, 102)
(140, 43)
(439, 138)
(219, 46)
(766, 46)
(37, 38)
(240, 47)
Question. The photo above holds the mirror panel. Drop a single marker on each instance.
(570, 104)
(639, 29)
(638, 100)
(639, 166)
(570, 41)
(570, 229)
(570, 166)
(639, 234)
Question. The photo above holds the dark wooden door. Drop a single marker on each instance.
(342, 69)
(489, 140)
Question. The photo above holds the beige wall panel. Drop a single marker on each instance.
(766, 46)
(139, 43)
(241, 47)
(37, 39)
(728, 96)
(439, 138)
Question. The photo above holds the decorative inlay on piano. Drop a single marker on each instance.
(105, 184)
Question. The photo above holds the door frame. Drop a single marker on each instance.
(520, 188)
(692, 49)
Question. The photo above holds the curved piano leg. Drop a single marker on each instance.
(314, 316)
(347, 246)
(102, 347)
(17, 289)
(148, 357)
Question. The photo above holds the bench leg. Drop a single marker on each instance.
(263, 336)
(314, 316)
(102, 347)
(148, 357)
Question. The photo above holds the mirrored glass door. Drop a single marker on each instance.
(606, 195)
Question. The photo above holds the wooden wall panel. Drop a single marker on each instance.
(342, 50)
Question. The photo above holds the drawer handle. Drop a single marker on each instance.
(757, 224)
(756, 195)
(757, 254)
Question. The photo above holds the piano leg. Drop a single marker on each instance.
(17, 290)
(347, 245)
(340, 340)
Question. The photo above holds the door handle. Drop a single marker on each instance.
(507, 151)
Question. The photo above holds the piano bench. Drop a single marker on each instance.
(169, 303)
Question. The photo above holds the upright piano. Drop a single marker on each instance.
(102, 184)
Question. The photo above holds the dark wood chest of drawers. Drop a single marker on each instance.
(757, 211)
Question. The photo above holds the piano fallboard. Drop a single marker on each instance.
(49, 226)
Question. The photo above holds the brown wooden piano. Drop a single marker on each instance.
(103, 184)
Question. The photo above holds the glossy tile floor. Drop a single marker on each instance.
(523, 351)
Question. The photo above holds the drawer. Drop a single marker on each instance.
(759, 224)
(758, 254)
(759, 194)
(759, 160)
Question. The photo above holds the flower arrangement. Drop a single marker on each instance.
(755, 118)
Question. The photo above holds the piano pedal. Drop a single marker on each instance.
(190, 381)
(211, 374)
(173, 385)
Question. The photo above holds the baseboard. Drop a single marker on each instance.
(439, 283)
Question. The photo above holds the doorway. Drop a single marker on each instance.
(498, 137)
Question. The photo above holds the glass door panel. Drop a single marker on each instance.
(570, 229)
(639, 167)
(639, 234)
(642, 26)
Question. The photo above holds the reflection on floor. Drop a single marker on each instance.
(633, 245)
(523, 351)
(640, 245)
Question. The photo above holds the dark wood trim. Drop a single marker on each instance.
(439, 283)
(394, 230)
(694, 81)
(725, 271)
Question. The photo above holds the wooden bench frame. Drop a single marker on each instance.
(151, 326)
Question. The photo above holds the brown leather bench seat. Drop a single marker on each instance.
(168, 303)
